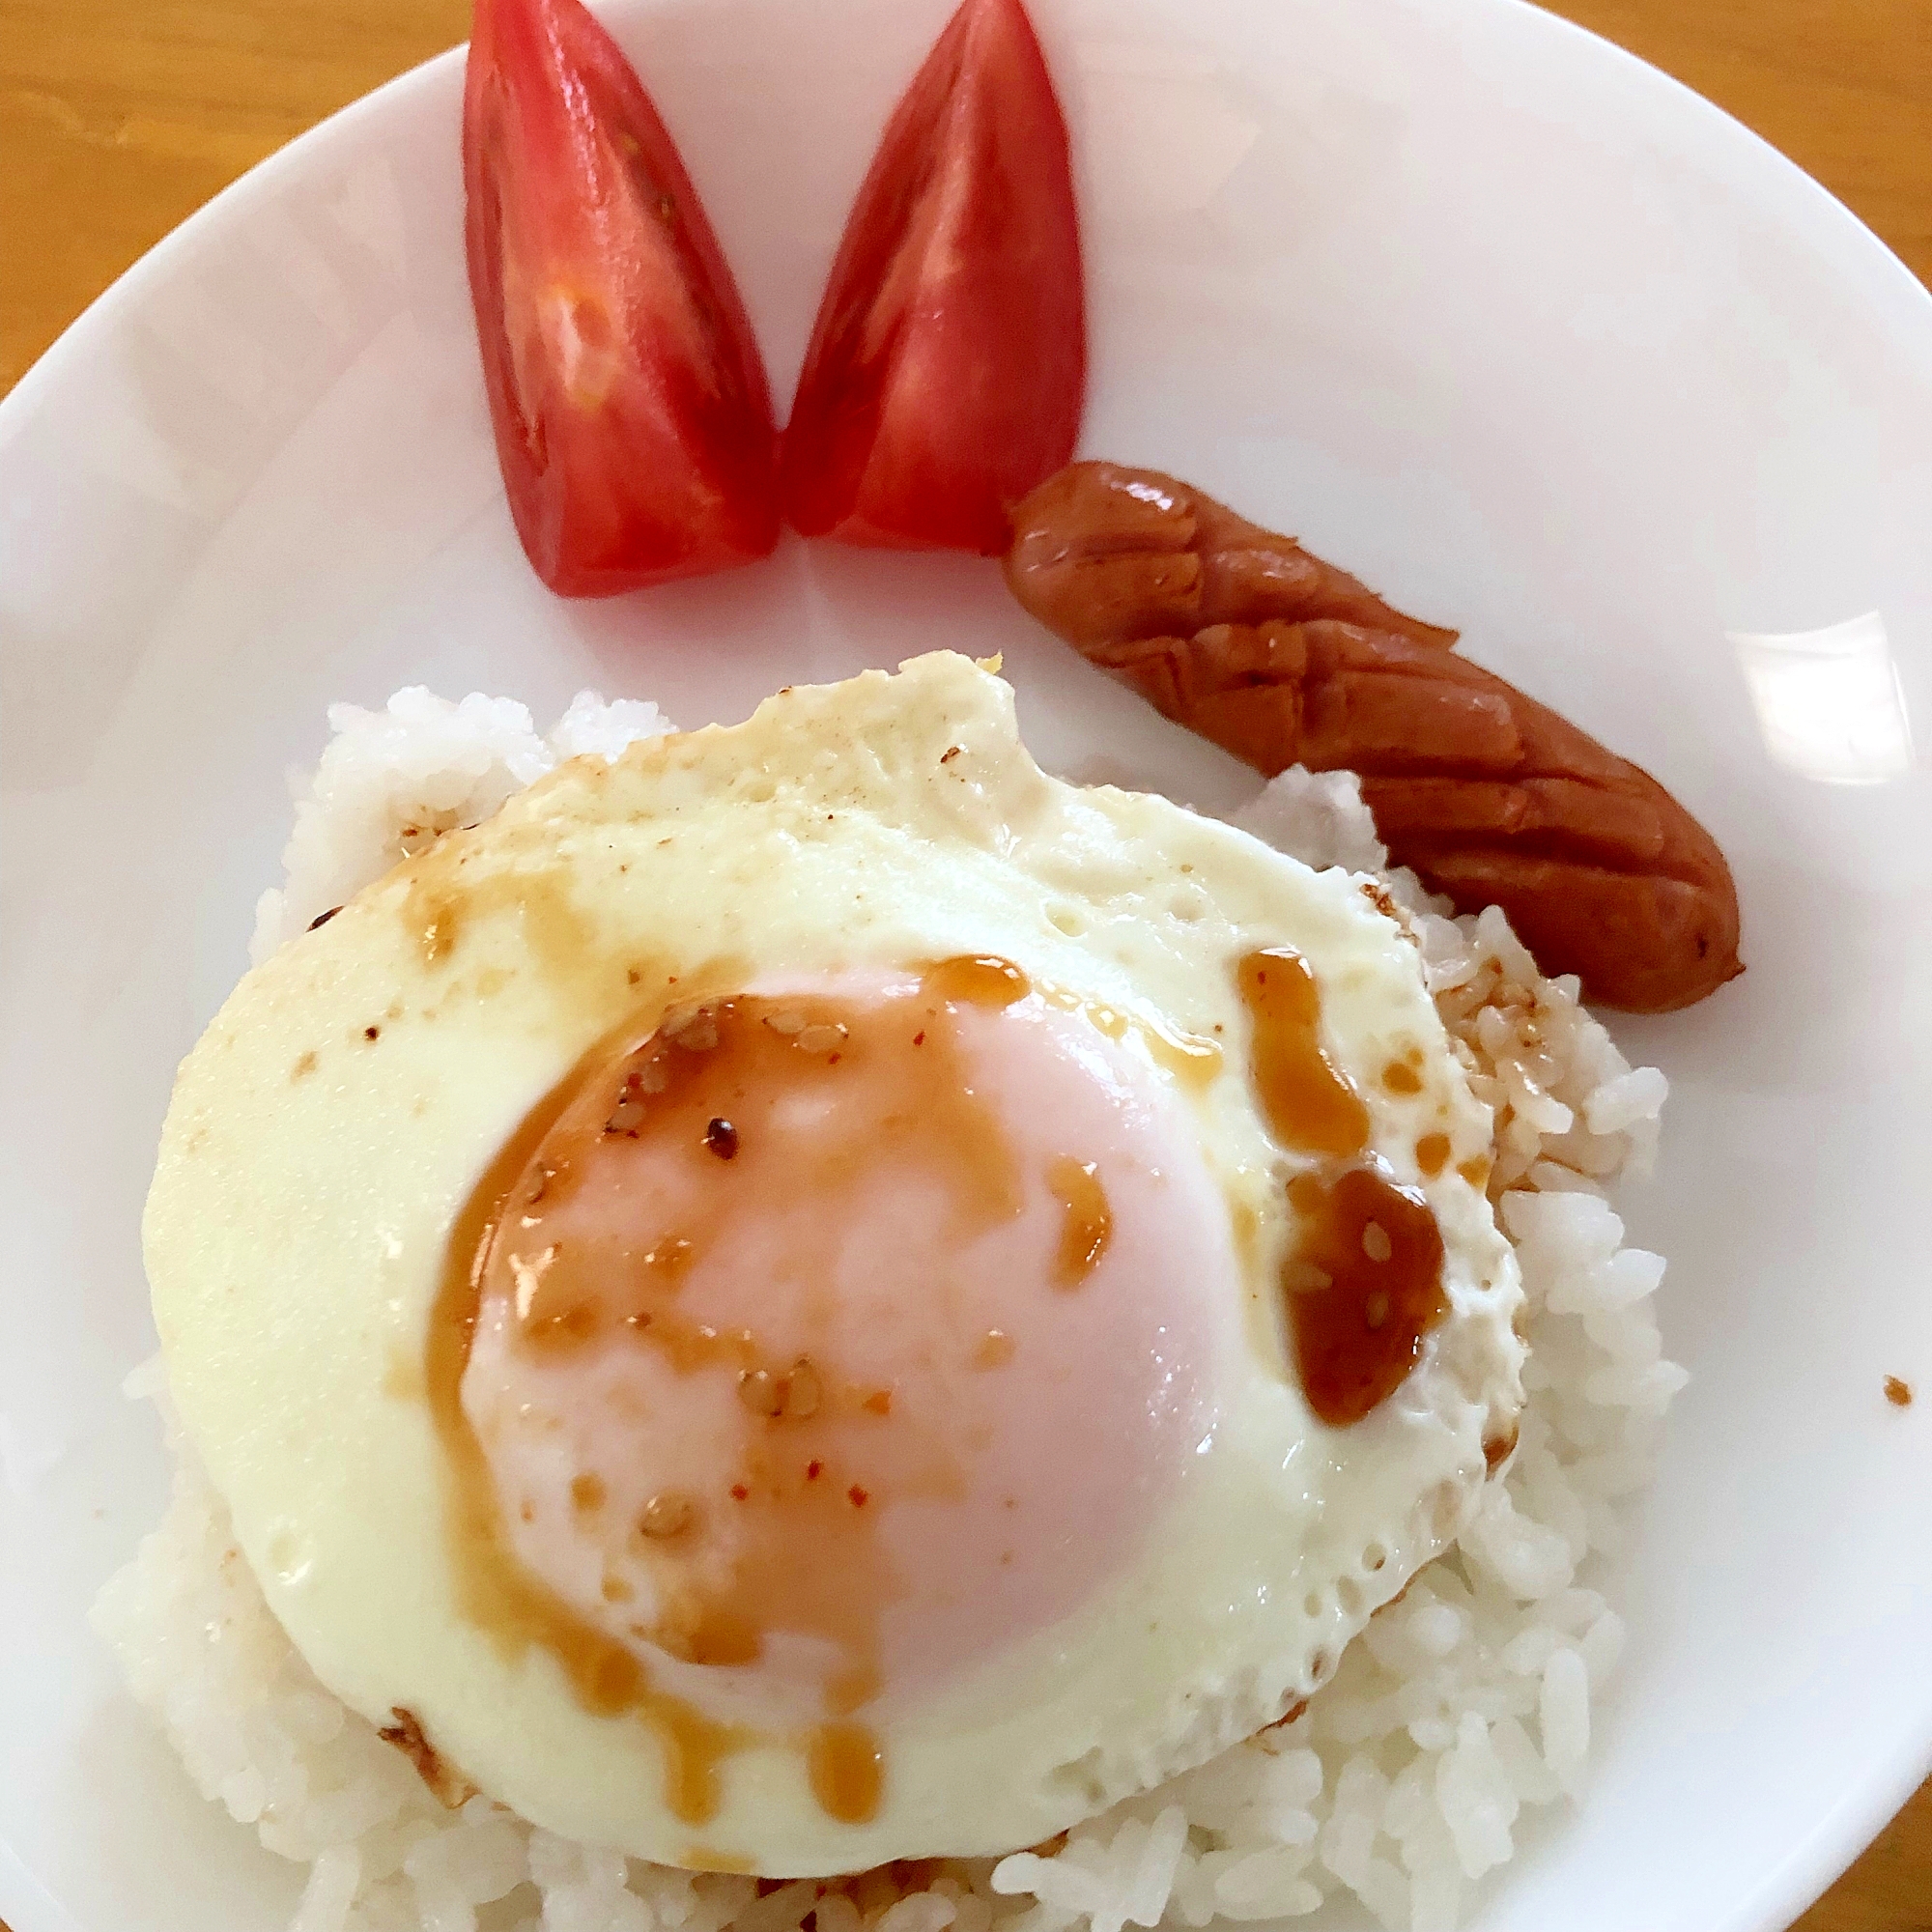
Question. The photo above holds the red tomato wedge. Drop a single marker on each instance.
(633, 421)
(949, 362)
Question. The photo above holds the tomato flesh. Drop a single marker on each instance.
(631, 416)
(947, 366)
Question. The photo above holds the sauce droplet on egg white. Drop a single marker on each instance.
(847, 1768)
(1191, 1059)
(1089, 1224)
(1366, 1285)
(1362, 1282)
(977, 980)
(1308, 1104)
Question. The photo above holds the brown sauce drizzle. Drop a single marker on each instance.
(975, 980)
(709, 1858)
(1307, 1102)
(847, 1770)
(1089, 1221)
(1362, 1283)
(445, 903)
(450, 1788)
(674, 1079)
(1431, 1154)
(1192, 1059)
(994, 1350)
(498, 1594)
(1366, 1285)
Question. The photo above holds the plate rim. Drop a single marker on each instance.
(1832, 218)
(1839, 241)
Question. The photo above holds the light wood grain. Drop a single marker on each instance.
(1890, 1890)
(1844, 87)
(119, 118)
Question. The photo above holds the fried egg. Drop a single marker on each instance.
(811, 1294)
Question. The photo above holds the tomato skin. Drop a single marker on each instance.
(947, 366)
(631, 416)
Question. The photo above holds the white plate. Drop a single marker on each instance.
(1530, 338)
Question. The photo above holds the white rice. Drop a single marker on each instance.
(1464, 1706)
(393, 781)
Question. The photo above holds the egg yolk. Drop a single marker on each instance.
(809, 1348)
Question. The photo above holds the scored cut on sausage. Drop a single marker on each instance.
(1488, 795)
(1107, 553)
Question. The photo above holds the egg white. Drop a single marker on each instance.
(329, 1127)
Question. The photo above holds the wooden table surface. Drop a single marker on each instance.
(118, 118)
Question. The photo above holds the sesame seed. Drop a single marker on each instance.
(1376, 1243)
(694, 1030)
(721, 1137)
(628, 1115)
(994, 1350)
(803, 1390)
(1375, 1310)
(667, 1514)
(762, 1392)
